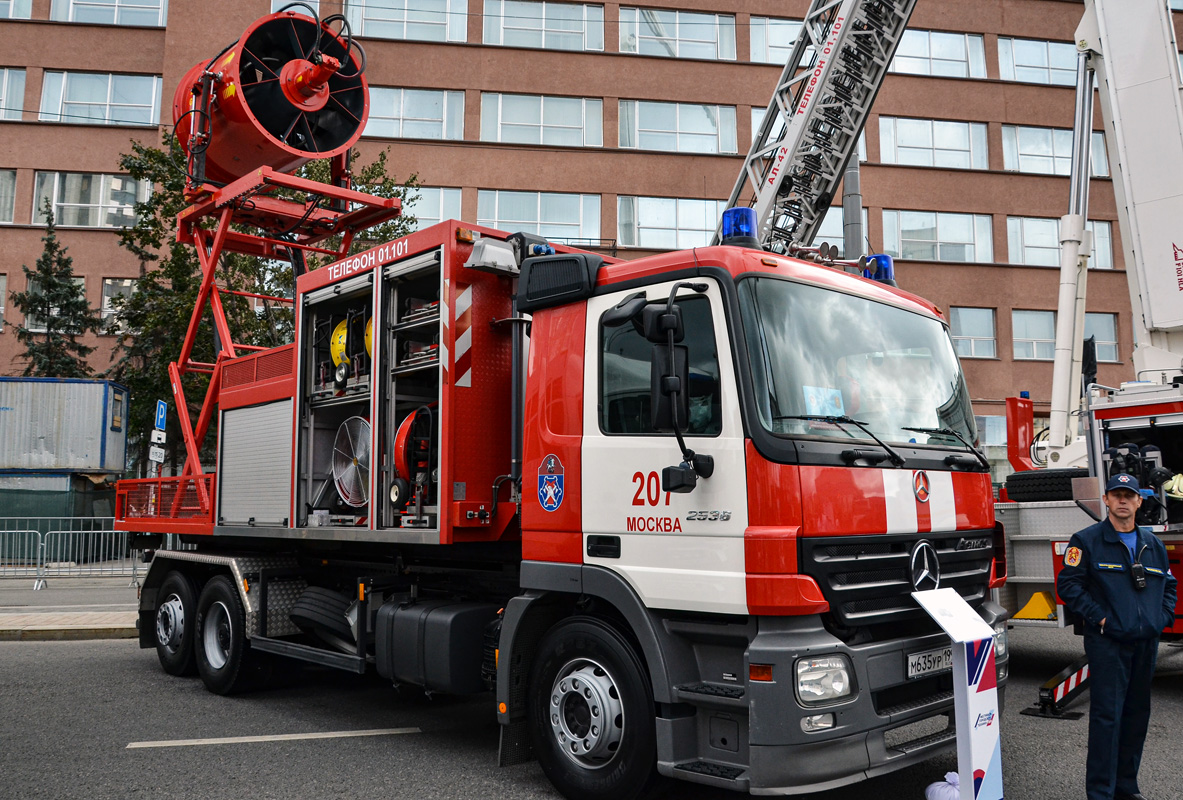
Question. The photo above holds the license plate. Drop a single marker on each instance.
(930, 661)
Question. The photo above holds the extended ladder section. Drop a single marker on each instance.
(1133, 53)
(813, 122)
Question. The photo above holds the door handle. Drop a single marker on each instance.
(603, 546)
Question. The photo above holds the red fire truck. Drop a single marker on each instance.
(672, 510)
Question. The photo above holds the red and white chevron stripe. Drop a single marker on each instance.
(1067, 686)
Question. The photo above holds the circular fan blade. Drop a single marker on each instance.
(351, 461)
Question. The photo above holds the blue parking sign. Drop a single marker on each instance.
(161, 414)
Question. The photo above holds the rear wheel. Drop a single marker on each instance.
(591, 713)
(176, 611)
(220, 637)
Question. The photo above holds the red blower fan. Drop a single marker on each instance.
(290, 90)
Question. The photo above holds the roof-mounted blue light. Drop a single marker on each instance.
(880, 267)
(739, 227)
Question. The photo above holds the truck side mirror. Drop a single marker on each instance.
(658, 320)
(669, 381)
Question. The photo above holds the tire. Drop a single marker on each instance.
(1040, 485)
(321, 612)
(220, 641)
(585, 671)
(176, 615)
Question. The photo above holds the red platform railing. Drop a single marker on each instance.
(166, 505)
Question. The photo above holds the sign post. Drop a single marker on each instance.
(156, 454)
(975, 693)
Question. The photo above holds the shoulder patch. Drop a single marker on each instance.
(1072, 557)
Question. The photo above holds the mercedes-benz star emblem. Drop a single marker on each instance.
(920, 486)
(925, 567)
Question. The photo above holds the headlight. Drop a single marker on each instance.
(823, 680)
(1000, 639)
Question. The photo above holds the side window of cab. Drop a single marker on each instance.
(625, 365)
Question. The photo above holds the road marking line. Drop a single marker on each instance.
(280, 737)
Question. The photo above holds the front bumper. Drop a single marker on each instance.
(888, 723)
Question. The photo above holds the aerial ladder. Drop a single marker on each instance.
(817, 111)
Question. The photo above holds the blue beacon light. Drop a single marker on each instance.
(881, 268)
(739, 227)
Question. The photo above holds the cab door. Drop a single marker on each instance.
(678, 551)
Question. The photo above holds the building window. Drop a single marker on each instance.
(88, 200)
(89, 98)
(547, 214)
(35, 323)
(625, 362)
(677, 127)
(7, 194)
(434, 205)
(1035, 241)
(419, 20)
(1048, 151)
(12, 93)
(112, 288)
(16, 9)
(933, 143)
(147, 13)
(531, 119)
(677, 34)
(1034, 335)
(278, 5)
(773, 39)
(933, 236)
(415, 114)
(1033, 61)
(667, 223)
(3, 298)
(950, 55)
(551, 26)
(758, 120)
(832, 231)
(973, 332)
(1103, 327)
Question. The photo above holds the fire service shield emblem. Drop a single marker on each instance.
(550, 483)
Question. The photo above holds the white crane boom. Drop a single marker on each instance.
(817, 111)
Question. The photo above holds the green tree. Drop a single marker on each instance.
(154, 317)
(55, 313)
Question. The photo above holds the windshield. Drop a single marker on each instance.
(819, 352)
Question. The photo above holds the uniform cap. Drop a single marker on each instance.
(1122, 480)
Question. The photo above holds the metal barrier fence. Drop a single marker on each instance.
(49, 547)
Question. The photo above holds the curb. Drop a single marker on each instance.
(57, 633)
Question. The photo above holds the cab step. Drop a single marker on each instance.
(712, 773)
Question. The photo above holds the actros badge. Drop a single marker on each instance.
(550, 483)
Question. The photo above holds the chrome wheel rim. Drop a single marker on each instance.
(218, 634)
(585, 712)
(170, 623)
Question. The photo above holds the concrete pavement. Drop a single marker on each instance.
(68, 608)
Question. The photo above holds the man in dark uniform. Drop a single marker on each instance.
(1117, 579)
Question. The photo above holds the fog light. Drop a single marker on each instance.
(1003, 671)
(818, 722)
(822, 680)
(1000, 640)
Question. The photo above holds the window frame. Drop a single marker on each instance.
(977, 149)
(982, 226)
(1013, 155)
(1008, 68)
(634, 236)
(17, 9)
(494, 26)
(12, 93)
(760, 51)
(724, 51)
(454, 25)
(55, 111)
(975, 55)
(11, 215)
(443, 204)
(64, 11)
(143, 190)
(451, 106)
(41, 327)
(3, 298)
(106, 310)
(587, 204)
(1015, 340)
(973, 340)
(1116, 359)
(1102, 230)
(723, 138)
(591, 112)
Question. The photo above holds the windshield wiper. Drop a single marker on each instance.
(950, 432)
(892, 455)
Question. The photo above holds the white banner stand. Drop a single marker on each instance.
(975, 693)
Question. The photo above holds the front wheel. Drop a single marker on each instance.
(220, 637)
(591, 716)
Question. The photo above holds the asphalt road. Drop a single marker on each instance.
(69, 710)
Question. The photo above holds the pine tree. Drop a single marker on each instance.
(55, 313)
